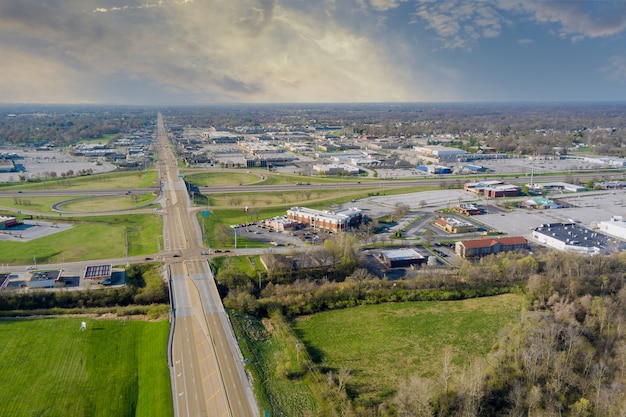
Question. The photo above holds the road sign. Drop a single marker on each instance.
(205, 213)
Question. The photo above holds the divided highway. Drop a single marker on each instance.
(207, 367)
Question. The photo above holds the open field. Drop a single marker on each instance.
(290, 198)
(29, 204)
(222, 178)
(226, 177)
(114, 368)
(95, 204)
(90, 238)
(111, 180)
(381, 344)
(43, 205)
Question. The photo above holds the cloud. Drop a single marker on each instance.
(214, 50)
(591, 19)
(384, 5)
(460, 23)
(616, 69)
(525, 42)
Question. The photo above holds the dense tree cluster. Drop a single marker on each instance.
(567, 357)
(62, 126)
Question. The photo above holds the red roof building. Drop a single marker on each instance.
(487, 246)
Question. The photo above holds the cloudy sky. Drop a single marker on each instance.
(261, 51)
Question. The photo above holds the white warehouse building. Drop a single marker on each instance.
(615, 227)
(572, 237)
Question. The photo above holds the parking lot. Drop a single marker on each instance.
(31, 230)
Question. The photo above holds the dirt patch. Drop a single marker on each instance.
(267, 323)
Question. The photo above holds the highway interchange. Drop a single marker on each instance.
(207, 372)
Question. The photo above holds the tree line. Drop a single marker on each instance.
(566, 357)
(144, 287)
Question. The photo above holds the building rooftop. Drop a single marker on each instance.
(577, 235)
(487, 242)
(401, 254)
(98, 271)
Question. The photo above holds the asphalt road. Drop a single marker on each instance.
(366, 184)
(207, 366)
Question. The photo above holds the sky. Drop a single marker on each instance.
(311, 51)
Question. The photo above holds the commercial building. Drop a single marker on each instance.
(334, 169)
(6, 222)
(332, 221)
(434, 169)
(556, 186)
(615, 227)
(280, 223)
(576, 238)
(474, 168)
(541, 203)
(439, 154)
(468, 209)
(492, 189)
(400, 258)
(486, 246)
(7, 166)
(44, 279)
(452, 225)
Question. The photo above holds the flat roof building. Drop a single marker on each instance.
(575, 238)
(615, 227)
(468, 209)
(493, 189)
(333, 221)
(44, 279)
(452, 225)
(400, 258)
(438, 153)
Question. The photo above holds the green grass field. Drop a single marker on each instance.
(110, 180)
(222, 178)
(115, 368)
(96, 238)
(95, 204)
(26, 204)
(380, 344)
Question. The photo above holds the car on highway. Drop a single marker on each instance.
(204, 252)
(176, 255)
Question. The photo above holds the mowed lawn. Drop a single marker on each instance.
(99, 239)
(50, 368)
(382, 344)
